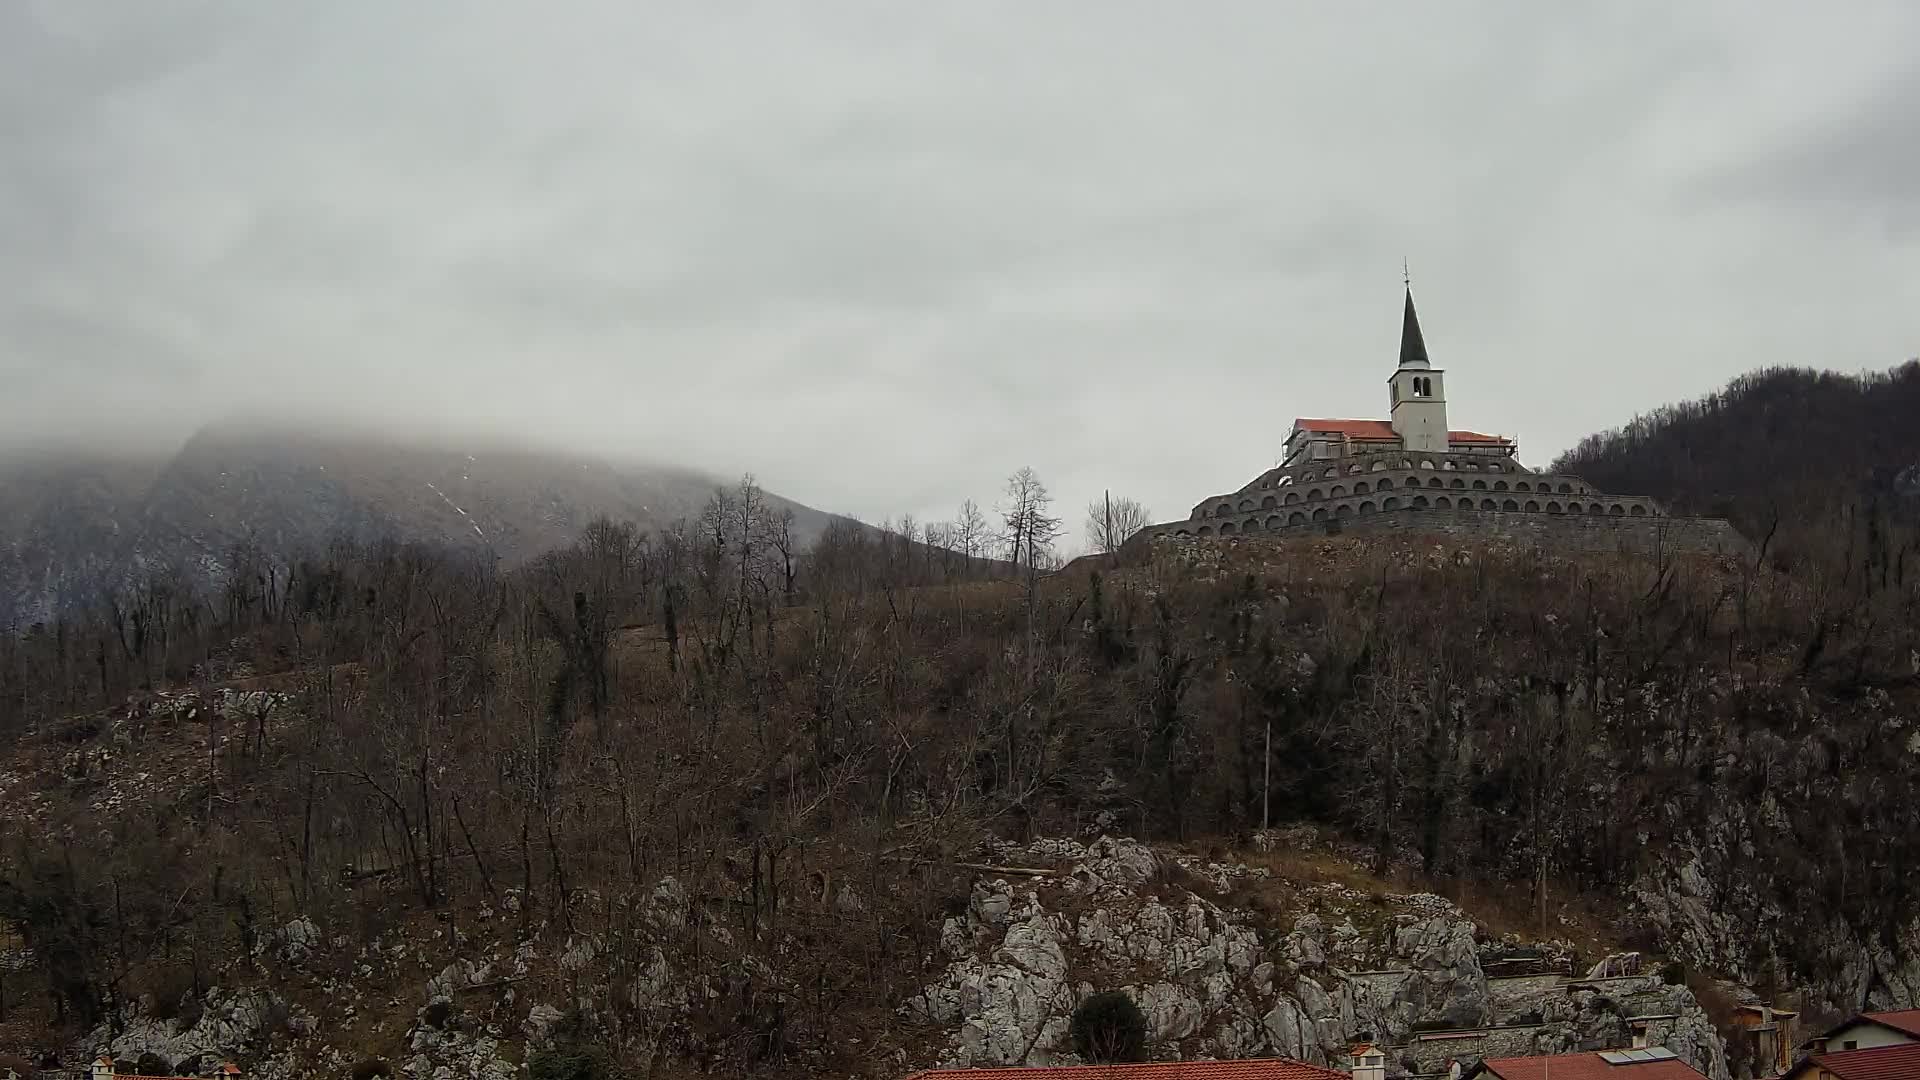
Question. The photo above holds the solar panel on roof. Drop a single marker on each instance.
(1614, 1057)
(1660, 1053)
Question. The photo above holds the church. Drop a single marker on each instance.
(1414, 472)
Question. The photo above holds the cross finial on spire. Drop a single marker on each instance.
(1406, 275)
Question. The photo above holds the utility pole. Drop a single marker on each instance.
(1266, 776)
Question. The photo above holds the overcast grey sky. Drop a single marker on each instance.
(883, 253)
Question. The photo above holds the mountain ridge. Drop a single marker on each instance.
(75, 527)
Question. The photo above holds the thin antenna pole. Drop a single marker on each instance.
(1406, 275)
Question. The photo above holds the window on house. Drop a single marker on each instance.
(1850, 1044)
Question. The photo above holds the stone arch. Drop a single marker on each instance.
(1354, 469)
(1181, 532)
(1459, 483)
(1292, 497)
(1434, 482)
(1320, 514)
(1367, 507)
(1226, 528)
(1566, 489)
(1330, 474)
(1283, 481)
(1379, 465)
(1385, 484)
(1338, 490)
(1224, 508)
(1296, 518)
(1343, 510)
(1406, 463)
(1596, 508)
(1636, 510)
(1315, 495)
(1521, 485)
(1479, 485)
(1360, 488)
(1532, 507)
(1489, 504)
(1499, 485)
(1269, 503)
(1392, 503)
(1448, 465)
(1509, 505)
(1491, 467)
(1246, 504)
(1553, 507)
(1617, 510)
(1426, 463)
(1206, 530)
(1443, 502)
(1419, 502)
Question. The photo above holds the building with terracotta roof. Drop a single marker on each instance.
(1648, 1063)
(1892, 1061)
(103, 1068)
(1256, 1069)
(1412, 471)
(1871, 1030)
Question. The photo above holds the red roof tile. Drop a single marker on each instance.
(1907, 1020)
(1588, 1066)
(1901, 1062)
(1258, 1069)
(1352, 429)
(1366, 430)
(1474, 436)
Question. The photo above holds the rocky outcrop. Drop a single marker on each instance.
(1211, 984)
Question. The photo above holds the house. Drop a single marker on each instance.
(1254, 1069)
(1893, 1061)
(1650, 1063)
(1870, 1030)
(103, 1069)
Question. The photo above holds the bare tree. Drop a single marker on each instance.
(969, 534)
(1029, 531)
(1111, 521)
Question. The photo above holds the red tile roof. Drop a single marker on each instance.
(1352, 429)
(1907, 1020)
(1368, 430)
(1258, 1069)
(1588, 1066)
(1899, 1062)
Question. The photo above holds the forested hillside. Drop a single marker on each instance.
(1788, 451)
(706, 797)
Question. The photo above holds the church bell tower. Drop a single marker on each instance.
(1419, 391)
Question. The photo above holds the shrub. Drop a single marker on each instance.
(1108, 1028)
(371, 1069)
(152, 1064)
(570, 1062)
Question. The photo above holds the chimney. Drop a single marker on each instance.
(1369, 1062)
(1640, 1036)
(102, 1069)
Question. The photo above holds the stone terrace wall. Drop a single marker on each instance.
(1599, 534)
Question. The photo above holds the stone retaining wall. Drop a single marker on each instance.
(1590, 533)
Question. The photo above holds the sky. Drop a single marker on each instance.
(882, 254)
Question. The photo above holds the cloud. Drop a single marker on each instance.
(883, 255)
